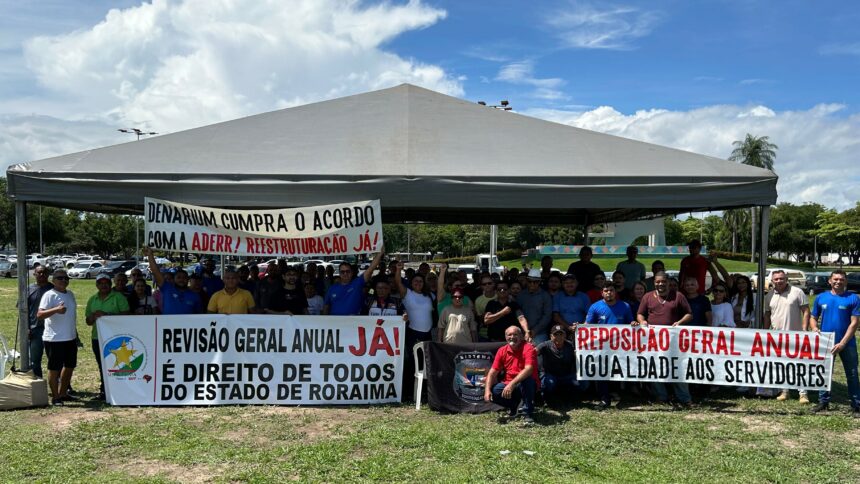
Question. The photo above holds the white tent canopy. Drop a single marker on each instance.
(427, 156)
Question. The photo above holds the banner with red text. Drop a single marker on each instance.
(251, 359)
(714, 356)
(342, 229)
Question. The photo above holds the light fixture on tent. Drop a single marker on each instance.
(503, 105)
(137, 132)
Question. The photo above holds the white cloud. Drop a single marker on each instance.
(175, 65)
(585, 26)
(817, 156)
(522, 73)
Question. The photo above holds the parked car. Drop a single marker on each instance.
(82, 259)
(853, 279)
(144, 269)
(85, 270)
(115, 267)
(795, 278)
(8, 269)
(817, 282)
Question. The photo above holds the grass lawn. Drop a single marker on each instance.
(724, 439)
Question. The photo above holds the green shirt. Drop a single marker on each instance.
(114, 303)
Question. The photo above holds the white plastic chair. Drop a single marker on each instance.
(419, 372)
(5, 356)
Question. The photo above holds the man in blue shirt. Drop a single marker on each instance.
(347, 298)
(609, 310)
(839, 312)
(176, 297)
(570, 306)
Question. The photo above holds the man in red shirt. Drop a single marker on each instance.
(518, 361)
(694, 265)
(663, 307)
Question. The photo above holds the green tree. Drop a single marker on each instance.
(674, 232)
(754, 151)
(7, 217)
(737, 220)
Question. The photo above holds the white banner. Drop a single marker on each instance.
(251, 359)
(342, 229)
(714, 356)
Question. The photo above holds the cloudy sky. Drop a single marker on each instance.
(692, 75)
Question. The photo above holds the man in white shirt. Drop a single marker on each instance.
(58, 309)
(786, 309)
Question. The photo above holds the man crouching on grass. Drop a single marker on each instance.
(518, 361)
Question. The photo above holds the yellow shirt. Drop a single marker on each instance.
(240, 302)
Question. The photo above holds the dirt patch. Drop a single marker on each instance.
(264, 425)
(852, 436)
(789, 444)
(759, 425)
(61, 419)
(195, 473)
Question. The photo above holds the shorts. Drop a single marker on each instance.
(61, 354)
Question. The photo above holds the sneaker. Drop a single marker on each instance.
(70, 398)
(528, 421)
(604, 405)
(57, 402)
(803, 399)
(783, 396)
(821, 407)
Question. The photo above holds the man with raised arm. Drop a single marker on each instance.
(347, 297)
(177, 298)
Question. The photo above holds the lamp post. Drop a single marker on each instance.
(138, 132)
(503, 105)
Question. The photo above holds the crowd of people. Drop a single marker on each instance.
(533, 311)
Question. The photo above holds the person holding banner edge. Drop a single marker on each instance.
(103, 303)
(786, 308)
(839, 311)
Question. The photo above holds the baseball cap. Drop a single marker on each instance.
(457, 293)
(101, 276)
(558, 329)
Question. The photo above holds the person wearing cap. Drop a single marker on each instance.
(536, 305)
(695, 265)
(58, 309)
(175, 297)
(609, 310)
(557, 361)
(103, 303)
(570, 306)
(633, 269)
(457, 323)
(517, 361)
(502, 313)
(584, 269)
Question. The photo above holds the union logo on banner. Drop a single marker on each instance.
(124, 357)
(470, 373)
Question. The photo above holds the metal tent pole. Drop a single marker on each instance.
(23, 273)
(764, 224)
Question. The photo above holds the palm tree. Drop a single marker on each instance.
(754, 151)
(735, 219)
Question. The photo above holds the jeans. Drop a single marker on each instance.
(97, 351)
(525, 391)
(37, 350)
(849, 362)
(539, 338)
(567, 384)
(682, 392)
